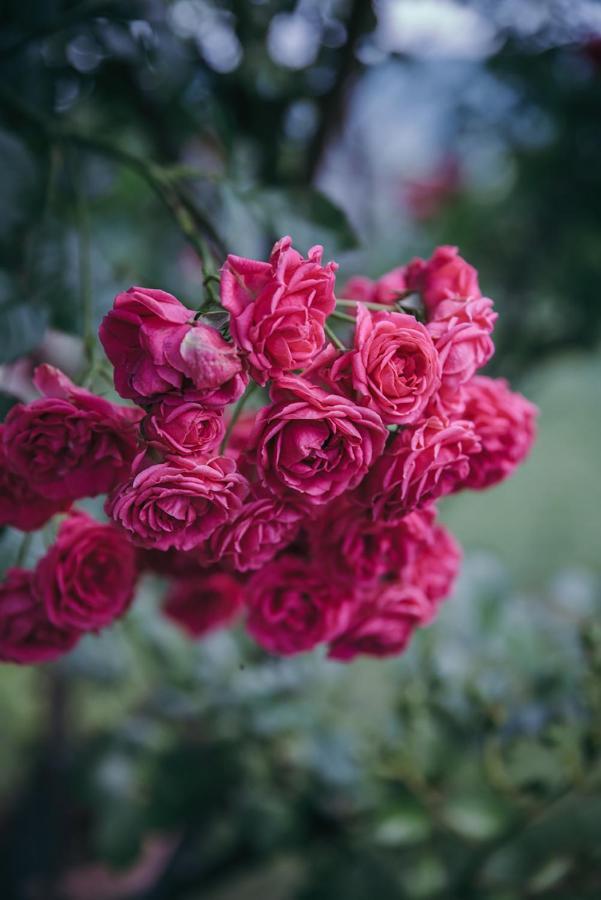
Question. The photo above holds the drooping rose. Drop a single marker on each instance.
(315, 445)
(26, 634)
(181, 426)
(69, 443)
(395, 366)
(177, 503)
(21, 506)
(201, 603)
(422, 464)
(443, 276)
(461, 332)
(292, 608)
(87, 578)
(157, 347)
(278, 309)
(505, 423)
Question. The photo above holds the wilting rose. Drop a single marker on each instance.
(443, 276)
(505, 423)
(461, 332)
(157, 346)
(21, 506)
(395, 366)
(26, 634)
(278, 309)
(87, 578)
(292, 608)
(70, 443)
(182, 426)
(177, 503)
(203, 602)
(313, 444)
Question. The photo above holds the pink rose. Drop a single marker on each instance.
(87, 578)
(444, 275)
(461, 332)
(384, 626)
(70, 443)
(395, 365)
(291, 608)
(505, 423)
(391, 286)
(422, 464)
(20, 506)
(278, 309)
(359, 287)
(181, 426)
(177, 503)
(201, 603)
(170, 562)
(434, 567)
(332, 369)
(315, 445)
(26, 634)
(240, 438)
(157, 347)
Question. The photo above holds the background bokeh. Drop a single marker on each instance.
(145, 767)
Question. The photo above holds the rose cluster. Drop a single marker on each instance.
(284, 467)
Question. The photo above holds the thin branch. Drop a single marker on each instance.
(333, 337)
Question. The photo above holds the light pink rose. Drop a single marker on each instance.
(86, 579)
(278, 309)
(315, 445)
(177, 503)
(70, 443)
(422, 464)
(505, 423)
(157, 346)
(26, 634)
(21, 506)
(199, 604)
(395, 366)
(443, 276)
(181, 426)
(461, 332)
(292, 608)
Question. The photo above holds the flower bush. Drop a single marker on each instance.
(311, 513)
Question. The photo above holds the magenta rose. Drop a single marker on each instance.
(505, 423)
(384, 626)
(434, 567)
(395, 365)
(87, 578)
(422, 464)
(315, 445)
(443, 276)
(461, 332)
(201, 603)
(26, 634)
(157, 347)
(177, 503)
(21, 506)
(278, 309)
(181, 426)
(70, 443)
(292, 608)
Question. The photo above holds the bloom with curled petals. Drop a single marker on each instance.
(157, 346)
(422, 464)
(395, 366)
(292, 608)
(444, 275)
(278, 309)
(27, 636)
(182, 426)
(86, 579)
(461, 332)
(69, 443)
(505, 422)
(177, 503)
(201, 603)
(21, 506)
(315, 445)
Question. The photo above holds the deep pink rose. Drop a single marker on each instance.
(395, 365)
(391, 286)
(177, 503)
(434, 566)
(359, 287)
(384, 626)
(26, 634)
(87, 578)
(278, 309)
(170, 562)
(70, 443)
(202, 603)
(292, 608)
(332, 369)
(313, 444)
(461, 332)
(443, 276)
(263, 526)
(422, 464)
(157, 347)
(505, 423)
(240, 439)
(181, 426)
(21, 506)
